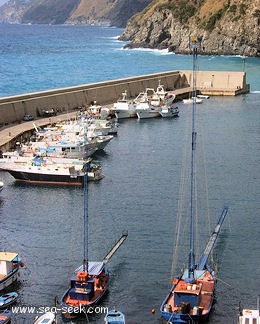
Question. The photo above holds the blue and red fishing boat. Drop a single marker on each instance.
(89, 283)
(191, 295)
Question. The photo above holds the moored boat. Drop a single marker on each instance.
(10, 264)
(5, 316)
(114, 316)
(89, 283)
(67, 172)
(169, 111)
(1, 185)
(190, 100)
(202, 96)
(46, 318)
(191, 295)
(148, 104)
(8, 299)
(124, 107)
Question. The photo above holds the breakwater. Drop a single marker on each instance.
(66, 100)
(12, 109)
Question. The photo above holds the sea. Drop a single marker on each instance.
(145, 190)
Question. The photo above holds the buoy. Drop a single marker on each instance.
(153, 311)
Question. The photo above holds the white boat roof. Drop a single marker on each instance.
(8, 256)
(251, 313)
(94, 268)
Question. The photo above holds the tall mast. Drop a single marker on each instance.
(85, 222)
(194, 44)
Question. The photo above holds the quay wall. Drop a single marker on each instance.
(13, 108)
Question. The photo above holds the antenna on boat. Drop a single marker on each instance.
(194, 44)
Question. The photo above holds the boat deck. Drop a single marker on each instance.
(203, 289)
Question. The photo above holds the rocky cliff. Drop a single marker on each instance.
(228, 27)
(94, 12)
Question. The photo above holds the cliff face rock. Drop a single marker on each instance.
(106, 12)
(12, 12)
(228, 27)
(94, 12)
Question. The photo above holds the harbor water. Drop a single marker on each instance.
(140, 193)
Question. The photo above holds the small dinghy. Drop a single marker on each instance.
(8, 299)
(5, 316)
(114, 316)
(46, 318)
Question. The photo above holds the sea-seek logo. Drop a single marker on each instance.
(69, 310)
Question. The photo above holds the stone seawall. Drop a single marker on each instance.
(12, 109)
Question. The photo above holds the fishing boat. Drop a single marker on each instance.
(191, 100)
(191, 295)
(169, 111)
(5, 316)
(148, 104)
(8, 299)
(51, 171)
(124, 107)
(89, 282)
(114, 317)
(46, 318)
(10, 264)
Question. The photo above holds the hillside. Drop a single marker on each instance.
(227, 26)
(94, 12)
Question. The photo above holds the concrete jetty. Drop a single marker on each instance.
(65, 101)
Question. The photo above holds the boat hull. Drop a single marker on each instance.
(47, 318)
(169, 112)
(86, 290)
(114, 316)
(52, 179)
(190, 302)
(142, 113)
(5, 316)
(9, 279)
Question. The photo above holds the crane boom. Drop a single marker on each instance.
(204, 258)
(116, 246)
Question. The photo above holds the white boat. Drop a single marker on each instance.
(124, 108)
(249, 316)
(169, 111)
(42, 170)
(161, 92)
(10, 264)
(148, 105)
(46, 318)
(1, 185)
(202, 96)
(190, 100)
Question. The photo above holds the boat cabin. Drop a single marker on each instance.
(249, 316)
(8, 263)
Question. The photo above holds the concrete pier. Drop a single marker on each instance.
(66, 100)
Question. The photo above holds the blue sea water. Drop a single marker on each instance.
(40, 57)
(140, 192)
